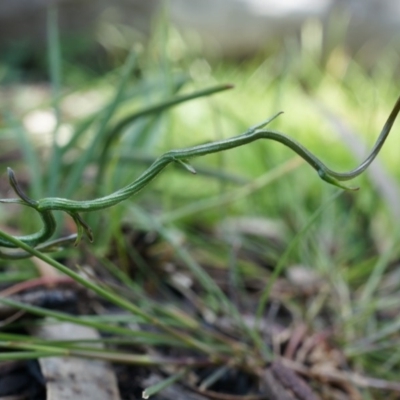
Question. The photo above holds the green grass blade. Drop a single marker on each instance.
(228, 198)
(26, 355)
(86, 157)
(115, 132)
(163, 384)
(30, 157)
(140, 89)
(379, 270)
(54, 52)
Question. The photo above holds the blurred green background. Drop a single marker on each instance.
(71, 73)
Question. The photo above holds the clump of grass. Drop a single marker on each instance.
(319, 230)
(219, 349)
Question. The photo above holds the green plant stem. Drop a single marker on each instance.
(45, 206)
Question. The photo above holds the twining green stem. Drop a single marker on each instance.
(45, 206)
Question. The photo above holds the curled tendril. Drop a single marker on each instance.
(46, 206)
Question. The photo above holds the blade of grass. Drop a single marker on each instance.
(180, 317)
(163, 384)
(106, 327)
(139, 157)
(115, 132)
(130, 336)
(30, 156)
(26, 355)
(41, 350)
(388, 330)
(228, 198)
(76, 173)
(140, 89)
(379, 270)
(96, 353)
(17, 276)
(54, 53)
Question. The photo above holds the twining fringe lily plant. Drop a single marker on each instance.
(46, 206)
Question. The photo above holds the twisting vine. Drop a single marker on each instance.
(46, 206)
